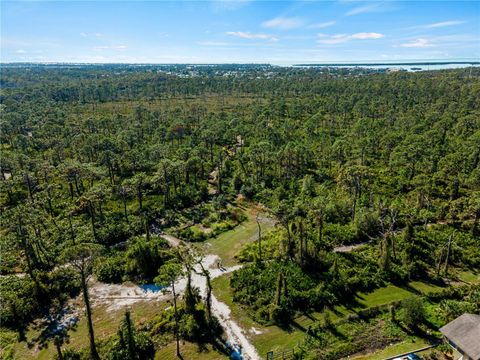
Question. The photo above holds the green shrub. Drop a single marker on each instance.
(17, 296)
(340, 234)
(221, 227)
(193, 234)
(271, 247)
(366, 224)
(110, 269)
(413, 312)
(144, 258)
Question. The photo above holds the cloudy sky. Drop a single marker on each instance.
(217, 31)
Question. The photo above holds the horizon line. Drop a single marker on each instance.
(317, 63)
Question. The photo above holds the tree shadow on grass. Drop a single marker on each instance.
(419, 332)
(354, 304)
(218, 344)
(408, 287)
(297, 326)
(311, 317)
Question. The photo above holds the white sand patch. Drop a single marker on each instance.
(115, 297)
(118, 296)
(255, 331)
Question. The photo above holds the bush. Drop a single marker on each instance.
(193, 234)
(340, 234)
(64, 282)
(413, 312)
(70, 354)
(17, 299)
(366, 224)
(281, 314)
(113, 232)
(110, 269)
(452, 309)
(271, 248)
(130, 343)
(248, 190)
(144, 258)
(221, 227)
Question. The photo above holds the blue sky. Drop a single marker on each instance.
(219, 31)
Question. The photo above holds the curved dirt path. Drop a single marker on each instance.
(117, 296)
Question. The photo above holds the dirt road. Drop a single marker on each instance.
(117, 296)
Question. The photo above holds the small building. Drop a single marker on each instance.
(463, 334)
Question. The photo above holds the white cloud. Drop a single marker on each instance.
(82, 34)
(418, 43)
(283, 23)
(443, 24)
(20, 51)
(365, 35)
(247, 35)
(341, 38)
(364, 9)
(322, 25)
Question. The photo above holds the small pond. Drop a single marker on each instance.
(151, 287)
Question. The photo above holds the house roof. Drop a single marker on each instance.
(464, 332)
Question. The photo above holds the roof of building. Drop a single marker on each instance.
(464, 332)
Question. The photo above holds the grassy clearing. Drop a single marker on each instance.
(472, 277)
(105, 325)
(274, 338)
(382, 296)
(264, 338)
(189, 351)
(405, 346)
(424, 287)
(229, 243)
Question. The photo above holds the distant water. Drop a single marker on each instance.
(404, 67)
(417, 65)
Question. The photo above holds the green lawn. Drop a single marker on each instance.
(229, 243)
(382, 296)
(469, 276)
(424, 287)
(271, 337)
(189, 351)
(392, 350)
(274, 338)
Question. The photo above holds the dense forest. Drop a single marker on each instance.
(368, 180)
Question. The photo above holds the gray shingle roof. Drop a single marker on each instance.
(464, 331)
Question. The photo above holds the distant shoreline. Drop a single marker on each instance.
(395, 64)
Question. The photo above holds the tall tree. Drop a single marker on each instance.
(81, 258)
(168, 276)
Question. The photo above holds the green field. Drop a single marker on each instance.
(274, 338)
(105, 325)
(189, 351)
(403, 347)
(469, 276)
(229, 243)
